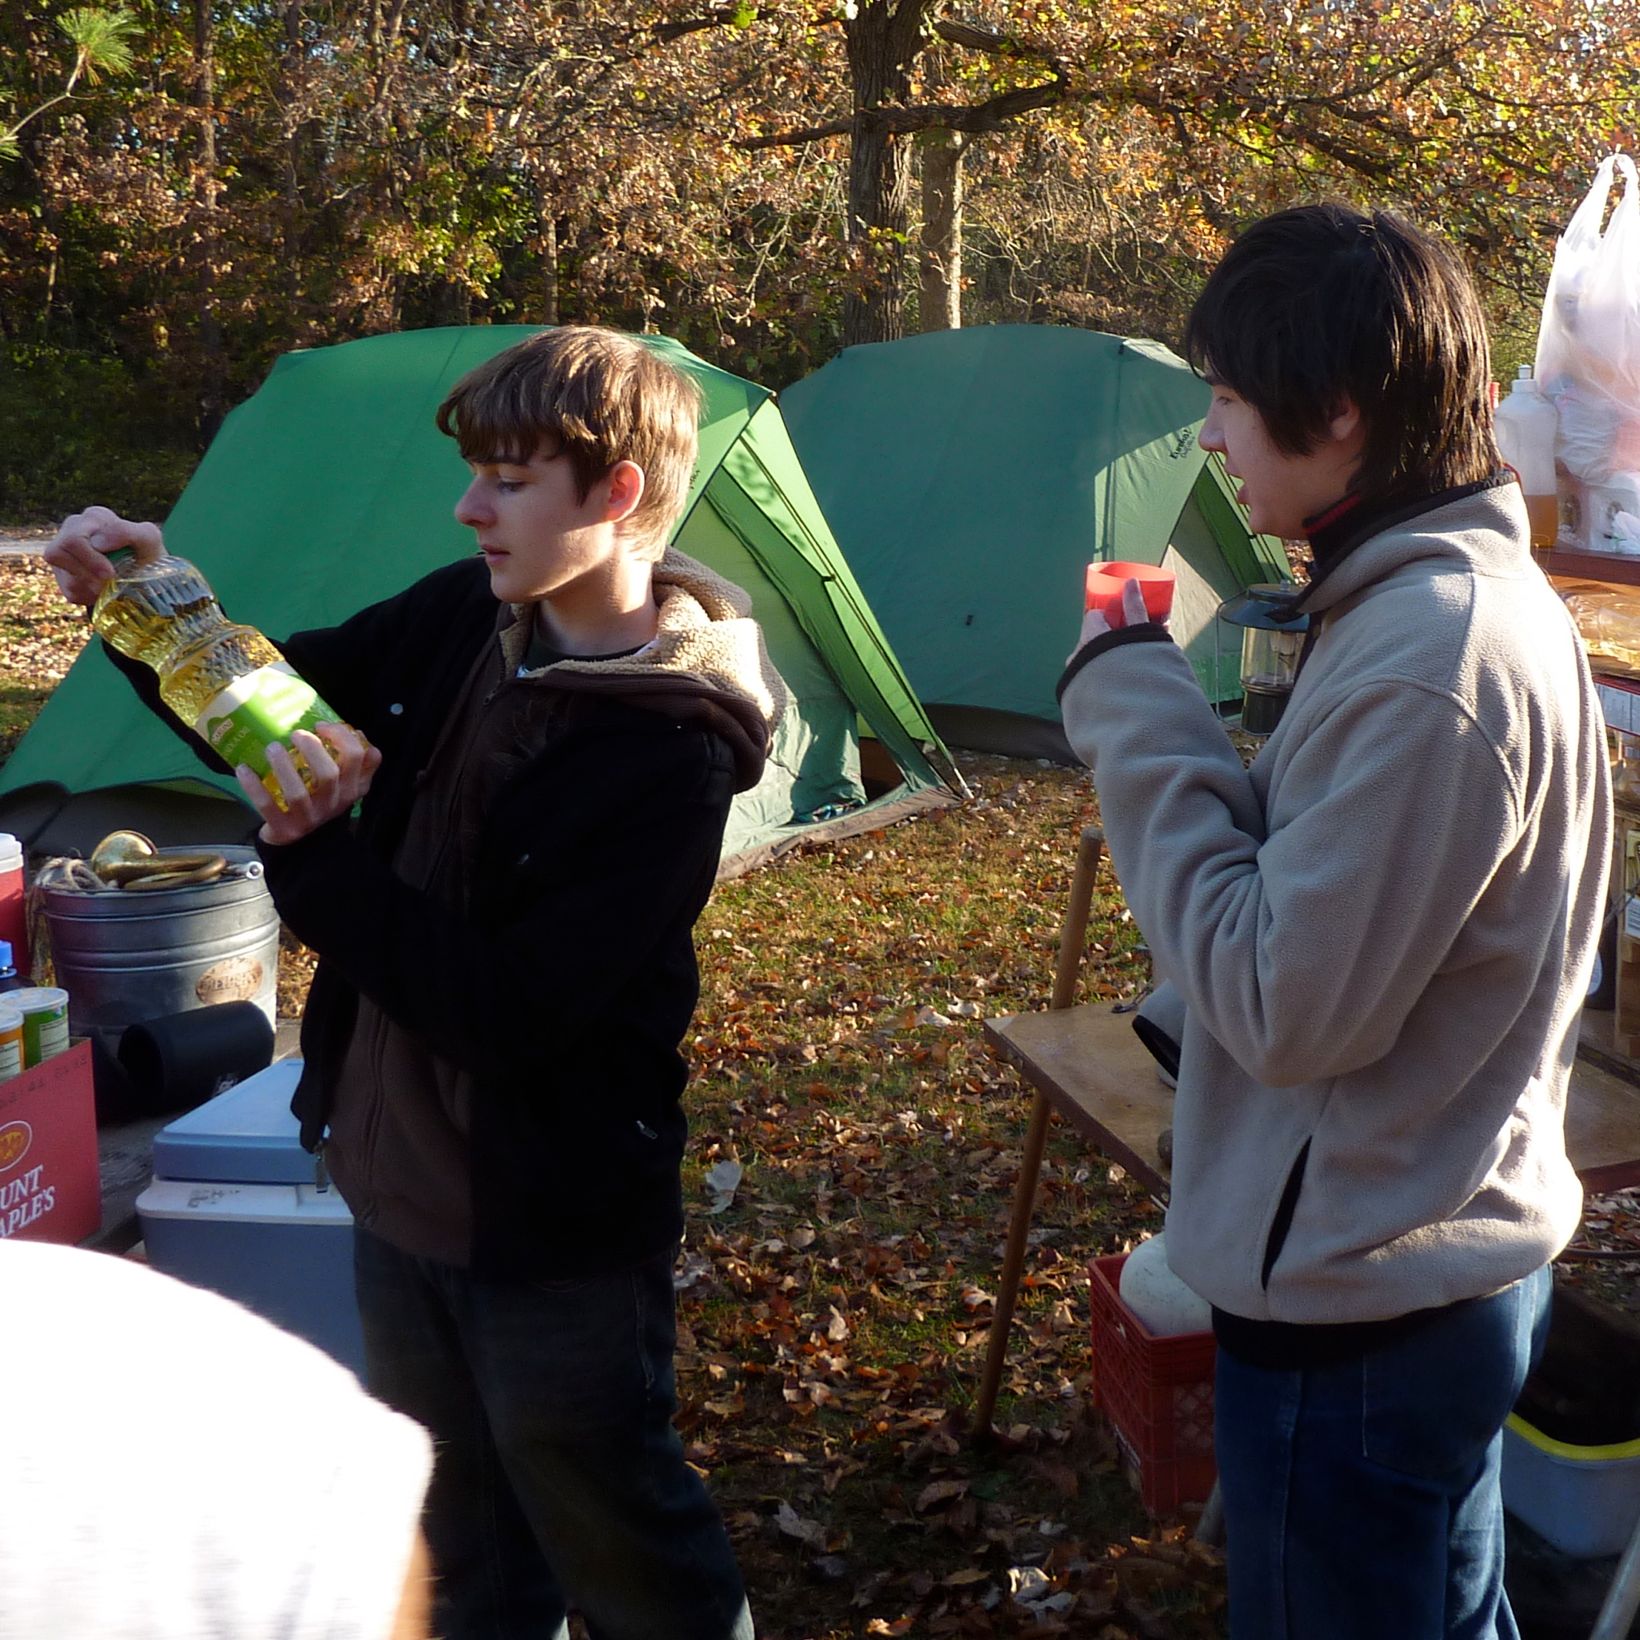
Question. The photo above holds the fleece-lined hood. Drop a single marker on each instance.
(707, 662)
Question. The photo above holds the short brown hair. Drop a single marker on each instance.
(603, 396)
(1323, 302)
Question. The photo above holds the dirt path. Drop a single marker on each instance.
(22, 540)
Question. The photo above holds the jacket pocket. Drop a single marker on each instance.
(1283, 1221)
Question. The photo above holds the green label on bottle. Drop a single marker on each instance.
(261, 707)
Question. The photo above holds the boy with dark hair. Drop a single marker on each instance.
(545, 741)
(1377, 937)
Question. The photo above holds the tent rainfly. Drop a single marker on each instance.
(331, 488)
(970, 475)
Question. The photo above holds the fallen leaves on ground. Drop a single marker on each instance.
(1604, 1257)
(835, 1319)
(40, 636)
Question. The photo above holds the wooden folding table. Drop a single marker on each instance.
(1087, 1064)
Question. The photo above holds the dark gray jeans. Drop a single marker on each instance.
(559, 1481)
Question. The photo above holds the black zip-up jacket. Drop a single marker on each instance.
(567, 985)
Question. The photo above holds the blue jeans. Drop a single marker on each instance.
(1361, 1498)
(559, 1481)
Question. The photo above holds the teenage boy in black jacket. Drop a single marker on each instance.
(544, 744)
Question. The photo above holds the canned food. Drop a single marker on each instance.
(45, 1022)
(11, 1039)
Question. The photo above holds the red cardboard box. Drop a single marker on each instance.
(50, 1185)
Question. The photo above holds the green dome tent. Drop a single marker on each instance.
(331, 488)
(970, 475)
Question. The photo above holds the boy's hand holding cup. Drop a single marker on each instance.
(1120, 594)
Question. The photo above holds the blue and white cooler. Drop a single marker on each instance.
(234, 1205)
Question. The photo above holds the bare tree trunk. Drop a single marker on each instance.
(213, 373)
(883, 41)
(51, 222)
(293, 75)
(942, 153)
(11, 321)
(549, 267)
(51, 291)
(879, 192)
(452, 303)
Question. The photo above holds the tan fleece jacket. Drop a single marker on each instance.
(1382, 931)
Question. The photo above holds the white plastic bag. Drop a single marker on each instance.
(1588, 353)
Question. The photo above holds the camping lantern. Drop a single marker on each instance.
(1272, 641)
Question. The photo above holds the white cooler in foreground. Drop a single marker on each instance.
(233, 1206)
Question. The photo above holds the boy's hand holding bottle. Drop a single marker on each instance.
(336, 767)
(299, 766)
(78, 554)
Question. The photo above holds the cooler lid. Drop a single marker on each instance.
(244, 1136)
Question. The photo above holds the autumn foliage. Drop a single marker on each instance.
(193, 189)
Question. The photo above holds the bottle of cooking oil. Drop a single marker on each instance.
(225, 681)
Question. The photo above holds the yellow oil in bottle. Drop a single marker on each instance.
(1543, 519)
(224, 680)
(193, 678)
(148, 609)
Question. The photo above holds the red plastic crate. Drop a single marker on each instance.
(1157, 1393)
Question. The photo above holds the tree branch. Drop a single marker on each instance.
(972, 118)
(716, 17)
(12, 132)
(973, 38)
(795, 139)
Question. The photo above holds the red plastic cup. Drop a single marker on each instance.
(1105, 582)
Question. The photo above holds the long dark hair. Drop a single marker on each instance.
(1324, 302)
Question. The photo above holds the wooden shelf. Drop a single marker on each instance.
(1617, 567)
(1597, 1042)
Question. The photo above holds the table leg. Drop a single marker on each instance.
(1013, 1265)
(1072, 940)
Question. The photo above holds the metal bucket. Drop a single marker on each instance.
(125, 958)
